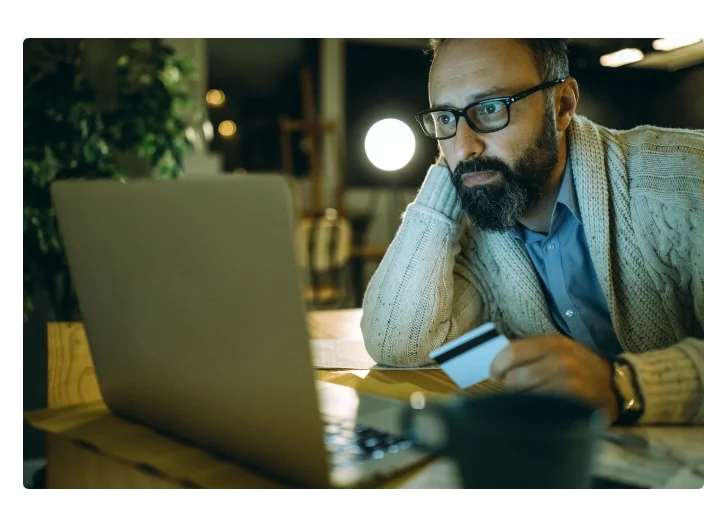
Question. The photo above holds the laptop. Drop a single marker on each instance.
(192, 303)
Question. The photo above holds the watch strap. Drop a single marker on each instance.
(626, 416)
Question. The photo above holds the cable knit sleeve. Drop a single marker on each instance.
(425, 291)
(672, 379)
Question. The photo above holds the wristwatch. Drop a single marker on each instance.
(627, 391)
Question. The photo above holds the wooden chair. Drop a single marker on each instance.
(323, 235)
(324, 248)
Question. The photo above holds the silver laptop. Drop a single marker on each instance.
(192, 302)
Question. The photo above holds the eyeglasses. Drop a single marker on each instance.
(490, 115)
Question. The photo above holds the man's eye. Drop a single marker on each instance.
(490, 108)
(446, 119)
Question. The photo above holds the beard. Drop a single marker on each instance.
(498, 206)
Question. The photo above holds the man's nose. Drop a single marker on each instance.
(468, 144)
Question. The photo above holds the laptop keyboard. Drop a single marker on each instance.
(352, 443)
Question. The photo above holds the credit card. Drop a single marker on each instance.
(468, 358)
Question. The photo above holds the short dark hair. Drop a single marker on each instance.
(550, 55)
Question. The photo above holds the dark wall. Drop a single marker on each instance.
(261, 79)
(618, 98)
(626, 97)
(385, 82)
(681, 104)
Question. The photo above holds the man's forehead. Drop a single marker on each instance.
(466, 67)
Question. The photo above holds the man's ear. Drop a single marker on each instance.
(567, 97)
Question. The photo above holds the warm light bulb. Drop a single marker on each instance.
(227, 128)
(390, 144)
(215, 97)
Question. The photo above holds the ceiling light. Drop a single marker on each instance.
(621, 57)
(667, 44)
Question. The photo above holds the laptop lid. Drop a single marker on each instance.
(190, 294)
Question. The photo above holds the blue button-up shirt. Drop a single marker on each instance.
(565, 267)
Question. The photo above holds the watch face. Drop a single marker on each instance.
(625, 385)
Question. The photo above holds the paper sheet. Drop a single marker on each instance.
(653, 469)
(687, 442)
(346, 354)
(617, 464)
(685, 479)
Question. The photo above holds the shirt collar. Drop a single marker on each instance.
(567, 195)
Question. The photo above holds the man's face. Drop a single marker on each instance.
(499, 176)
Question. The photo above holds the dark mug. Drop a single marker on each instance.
(511, 440)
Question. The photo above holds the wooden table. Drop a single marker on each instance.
(72, 376)
(72, 381)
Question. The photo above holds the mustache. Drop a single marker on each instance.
(480, 165)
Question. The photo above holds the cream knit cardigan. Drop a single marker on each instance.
(641, 196)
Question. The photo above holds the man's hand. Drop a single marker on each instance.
(556, 364)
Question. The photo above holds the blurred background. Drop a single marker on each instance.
(335, 116)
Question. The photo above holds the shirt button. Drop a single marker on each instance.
(569, 313)
(551, 247)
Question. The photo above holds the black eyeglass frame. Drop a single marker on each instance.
(508, 101)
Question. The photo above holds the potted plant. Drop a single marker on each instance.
(67, 136)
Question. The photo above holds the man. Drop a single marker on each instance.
(584, 245)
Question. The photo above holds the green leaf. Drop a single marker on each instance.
(28, 307)
(187, 66)
(42, 241)
(66, 136)
(85, 128)
(89, 154)
(170, 75)
(141, 45)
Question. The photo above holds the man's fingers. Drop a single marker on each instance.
(531, 375)
(558, 384)
(516, 354)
